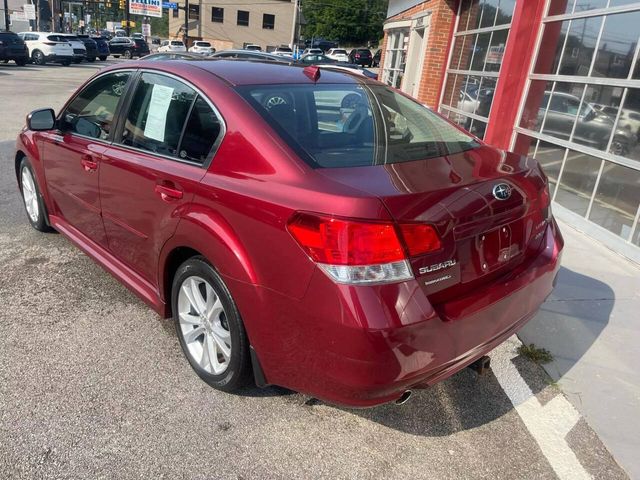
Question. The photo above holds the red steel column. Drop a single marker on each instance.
(526, 22)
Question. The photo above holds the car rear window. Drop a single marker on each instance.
(175, 42)
(57, 38)
(354, 125)
(366, 52)
(340, 52)
(203, 44)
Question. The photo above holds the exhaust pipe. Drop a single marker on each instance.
(482, 365)
(404, 398)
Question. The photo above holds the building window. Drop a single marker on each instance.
(581, 113)
(474, 67)
(217, 14)
(395, 57)
(268, 21)
(176, 12)
(243, 18)
(194, 12)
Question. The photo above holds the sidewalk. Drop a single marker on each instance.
(591, 325)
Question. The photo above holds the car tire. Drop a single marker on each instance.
(66, 63)
(21, 62)
(38, 57)
(619, 146)
(208, 325)
(116, 56)
(91, 59)
(103, 58)
(77, 60)
(127, 54)
(32, 198)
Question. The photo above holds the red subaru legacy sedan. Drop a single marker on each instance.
(305, 228)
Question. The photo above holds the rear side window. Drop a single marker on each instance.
(91, 112)
(354, 125)
(58, 38)
(169, 118)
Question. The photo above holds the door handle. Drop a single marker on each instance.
(88, 163)
(168, 193)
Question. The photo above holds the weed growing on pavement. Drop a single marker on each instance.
(535, 354)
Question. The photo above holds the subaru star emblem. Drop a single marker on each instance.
(502, 191)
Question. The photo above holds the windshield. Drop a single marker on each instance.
(177, 43)
(354, 125)
(203, 44)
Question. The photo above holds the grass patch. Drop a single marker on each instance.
(535, 354)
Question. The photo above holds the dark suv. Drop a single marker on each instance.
(142, 47)
(102, 44)
(361, 56)
(12, 47)
(91, 46)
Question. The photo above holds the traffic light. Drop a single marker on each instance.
(121, 4)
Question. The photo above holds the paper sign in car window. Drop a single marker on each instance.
(157, 116)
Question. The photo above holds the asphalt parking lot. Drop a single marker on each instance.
(93, 384)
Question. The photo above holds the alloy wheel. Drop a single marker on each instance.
(30, 196)
(203, 325)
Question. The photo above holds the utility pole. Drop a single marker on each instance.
(126, 16)
(295, 24)
(6, 15)
(186, 23)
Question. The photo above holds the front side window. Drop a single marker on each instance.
(243, 18)
(91, 113)
(354, 125)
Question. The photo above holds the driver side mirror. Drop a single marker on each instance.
(40, 120)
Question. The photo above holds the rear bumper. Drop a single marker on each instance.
(363, 346)
(54, 57)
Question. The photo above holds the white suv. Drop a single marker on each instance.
(203, 48)
(48, 47)
(79, 50)
(172, 46)
(338, 54)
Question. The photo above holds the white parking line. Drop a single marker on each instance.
(549, 424)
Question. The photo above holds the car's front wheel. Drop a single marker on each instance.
(33, 203)
(209, 326)
(127, 54)
(103, 58)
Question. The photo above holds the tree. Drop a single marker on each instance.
(345, 21)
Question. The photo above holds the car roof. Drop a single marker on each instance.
(238, 72)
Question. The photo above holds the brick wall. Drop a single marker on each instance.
(442, 20)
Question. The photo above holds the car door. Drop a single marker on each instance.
(164, 144)
(72, 153)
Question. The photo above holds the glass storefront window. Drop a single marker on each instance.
(395, 58)
(616, 200)
(577, 181)
(583, 94)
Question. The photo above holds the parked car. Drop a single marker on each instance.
(108, 35)
(161, 56)
(251, 55)
(123, 46)
(141, 48)
(91, 47)
(312, 51)
(283, 52)
(48, 47)
(326, 234)
(315, 59)
(338, 54)
(322, 44)
(253, 48)
(137, 35)
(172, 46)
(361, 56)
(202, 48)
(79, 50)
(12, 47)
(351, 68)
(119, 33)
(102, 45)
(376, 58)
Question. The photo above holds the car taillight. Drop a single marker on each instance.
(51, 44)
(357, 55)
(545, 201)
(359, 252)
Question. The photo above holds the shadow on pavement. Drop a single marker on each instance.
(571, 319)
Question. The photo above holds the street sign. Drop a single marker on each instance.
(29, 11)
(146, 29)
(148, 8)
(169, 5)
